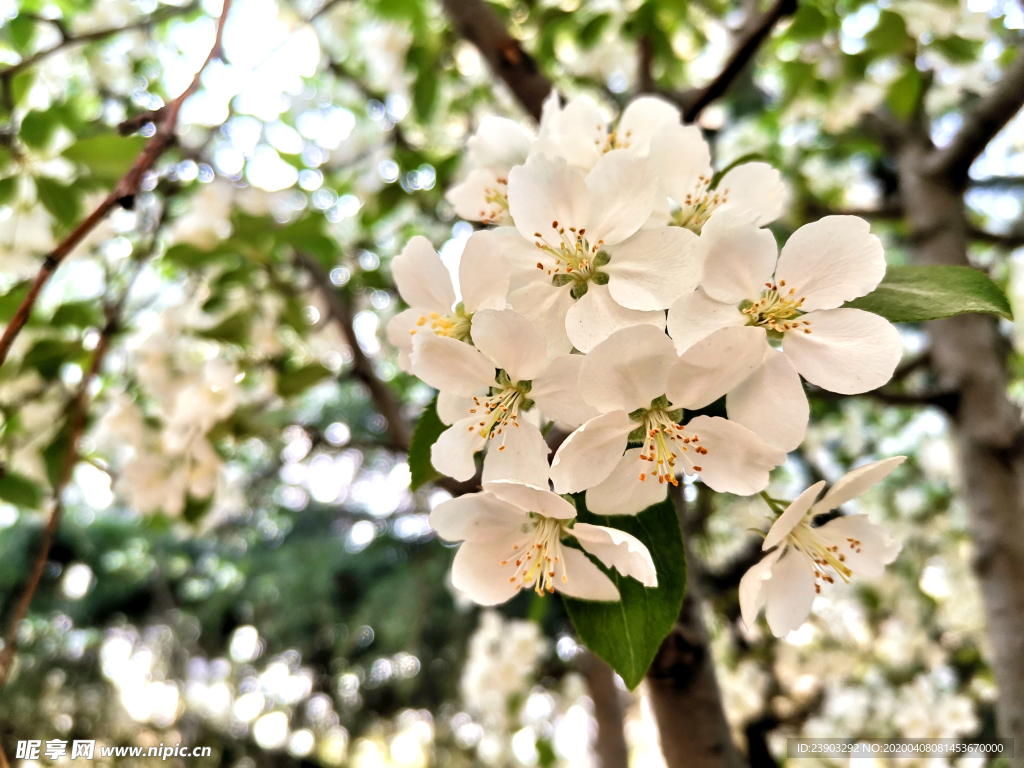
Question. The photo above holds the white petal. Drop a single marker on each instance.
(716, 366)
(580, 131)
(544, 191)
(532, 498)
(628, 370)
(524, 459)
(739, 256)
(619, 550)
(751, 591)
(848, 350)
(789, 593)
(452, 453)
(596, 316)
(452, 407)
(681, 157)
(549, 112)
(696, 316)
(737, 461)
(771, 402)
(584, 580)
(654, 267)
(476, 571)
(522, 257)
(475, 516)
(472, 199)
(792, 516)
(498, 143)
(623, 492)
(557, 392)
(445, 363)
(589, 454)
(865, 546)
(511, 341)
(622, 188)
(484, 273)
(421, 277)
(832, 261)
(641, 119)
(755, 187)
(856, 481)
(546, 307)
(402, 328)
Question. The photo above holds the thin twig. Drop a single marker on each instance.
(122, 193)
(1009, 240)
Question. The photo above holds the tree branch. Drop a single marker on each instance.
(475, 21)
(997, 182)
(980, 126)
(121, 194)
(750, 41)
(1010, 240)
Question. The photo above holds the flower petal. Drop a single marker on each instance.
(832, 261)
(484, 273)
(771, 402)
(584, 580)
(522, 257)
(422, 279)
(546, 307)
(737, 461)
(498, 143)
(544, 194)
(641, 119)
(475, 516)
(453, 452)
(682, 159)
(866, 548)
(445, 363)
(474, 198)
(715, 366)
(476, 571)
(623, 492)
(622, 188)
(654, 267)
(755, 187)
(619, 550)
(596, 316)
(792, 516)
(751, 591)
(511, 341)
(628, 370)
(532, 498)
(452, 407)
(739, 256)
(856, 481)
(588, 455)
(696, 316)
(557, 392)
(789, 593)
(847, 351)
(402, 328)
(578, 132)
(523, 459)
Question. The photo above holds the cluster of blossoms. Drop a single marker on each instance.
(623, 287)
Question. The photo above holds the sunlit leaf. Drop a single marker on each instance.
(428, 429)
(915, 294)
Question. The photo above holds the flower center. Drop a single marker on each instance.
(777, 310)
(614, 141)
(496, 199)
(456, 326)
(574, 259)
(501, 408)
(825, 559)
(699, 204)
(538, 557)
(663, 440)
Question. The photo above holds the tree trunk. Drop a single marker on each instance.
(968, 359)
(611, 738)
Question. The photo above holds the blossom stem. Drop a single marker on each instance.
(774, 504)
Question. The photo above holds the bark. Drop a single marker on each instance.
(608, 711)
(968, 357)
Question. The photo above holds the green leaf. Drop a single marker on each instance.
(291, 383)
(59, 200)
(11, 300)
(48, 355)
(108, 156)
(22, 29)
(627, 634)
(20, 491)
(428, 429)
(83, 314)
(903, 93)
(915, 294)
(424, 93)
(233, 329)
(37, 128)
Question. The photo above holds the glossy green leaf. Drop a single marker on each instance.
(915, 294)
(428, 429)
(627, 634)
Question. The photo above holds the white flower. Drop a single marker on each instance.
(639, 386)
(426, 286)
(484, 406)
(683, 161)
(797, 301)
(804, 557)
(512, 536)
(207, 220)
(597, 270)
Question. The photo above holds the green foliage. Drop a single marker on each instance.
(627, 634)
(294, 382)
(914, 294)
(20, 491)
(428, 429)
(107, 156)
(60, 200)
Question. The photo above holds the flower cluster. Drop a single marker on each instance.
(623, 287)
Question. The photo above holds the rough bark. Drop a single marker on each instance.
(611, 748)
(967, 356)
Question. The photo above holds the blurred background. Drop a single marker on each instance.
(241, 563)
